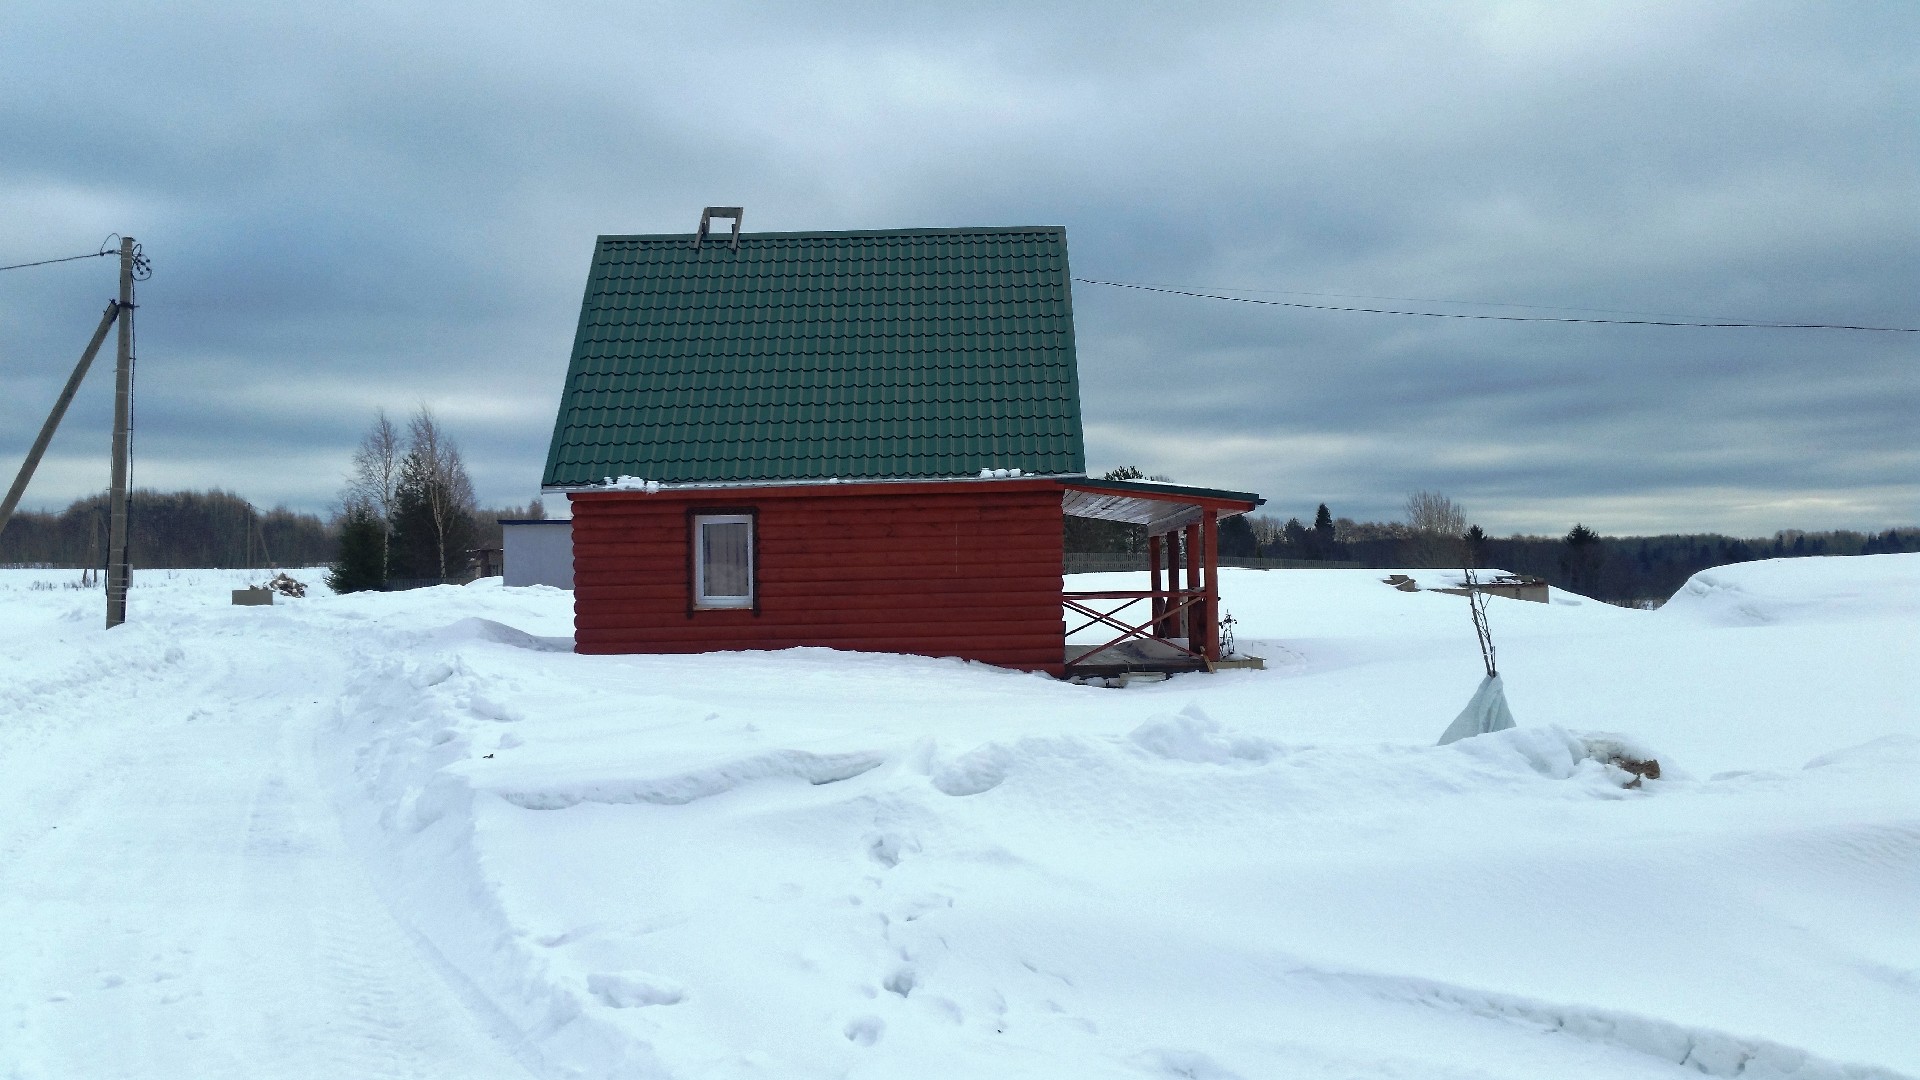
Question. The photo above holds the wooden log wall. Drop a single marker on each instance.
(957, 569)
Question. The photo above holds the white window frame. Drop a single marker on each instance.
(701, 599)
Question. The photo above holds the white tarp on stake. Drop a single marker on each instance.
(1486, 712)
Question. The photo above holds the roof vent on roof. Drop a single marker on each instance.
(706, 222)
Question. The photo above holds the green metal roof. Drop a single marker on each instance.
(806, 356)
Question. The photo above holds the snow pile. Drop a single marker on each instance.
(1809, 590)
(810, 863)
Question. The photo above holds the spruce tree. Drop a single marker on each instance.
(1475, 542)
(1323, 547)
(1582, 556)
(361, 565)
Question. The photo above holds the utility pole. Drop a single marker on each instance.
(118, 572)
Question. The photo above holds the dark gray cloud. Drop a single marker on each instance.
(354, 207)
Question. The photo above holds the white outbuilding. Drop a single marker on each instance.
(537, 552)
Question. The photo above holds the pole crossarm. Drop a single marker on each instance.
(58, 412)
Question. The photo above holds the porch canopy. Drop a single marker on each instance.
(1180, 630)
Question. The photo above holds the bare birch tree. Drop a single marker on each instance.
(374, 482)
(433, 473)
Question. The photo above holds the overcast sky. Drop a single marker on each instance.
(350, 206)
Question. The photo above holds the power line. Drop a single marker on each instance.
(50, 262)
(1435, 300)
(142, 269)
(1171, 291)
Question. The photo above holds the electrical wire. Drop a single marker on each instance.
(1436, 300)
(142, 269)
(50, 262)
(1171, 291)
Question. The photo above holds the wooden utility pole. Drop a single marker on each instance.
(53, 418)
(118, 572)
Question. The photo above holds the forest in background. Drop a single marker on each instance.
(194, 529)
(1634, 571)
(182, 529)
(169, 529)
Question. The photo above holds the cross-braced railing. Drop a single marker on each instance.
(1175, 606)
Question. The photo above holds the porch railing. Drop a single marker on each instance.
(1168, 610)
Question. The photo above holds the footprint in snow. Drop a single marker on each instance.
(1190, 1064)
(634, 989)
(864, 1030)
(888, 849)
(901, 982)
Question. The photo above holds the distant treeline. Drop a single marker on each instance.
(1643, 571)
(179, 529)
(169, 529)
(1636, 571)
(1631, 570)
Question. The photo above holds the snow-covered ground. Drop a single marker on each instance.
(414, 835)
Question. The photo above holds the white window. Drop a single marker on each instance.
(723, 560)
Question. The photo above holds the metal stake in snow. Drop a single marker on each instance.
(1487, 711)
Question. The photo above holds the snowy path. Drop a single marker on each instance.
(175, 894)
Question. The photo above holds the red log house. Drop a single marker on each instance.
(858, 440)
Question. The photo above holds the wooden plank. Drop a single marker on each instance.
(630, 554)
(910, 587)
(674, 625)
(602, 576)
(890, 618)
(826, 596)
(725, 638)
(908, 532)
(956, 605)
(1040, 660)
(847, 599)
(896, 623)
(674, 532)
(883, 524)
(890, 576)
(775, 561)
(827, 543)
(674, 592)
(950, 508)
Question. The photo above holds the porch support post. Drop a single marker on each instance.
(1196, 615)
(1159, 603)
(1170, 552)
(1210, 607)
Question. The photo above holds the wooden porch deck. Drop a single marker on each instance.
(1130, 656)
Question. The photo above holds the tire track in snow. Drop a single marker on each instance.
(372, 1008)
(178, 897)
